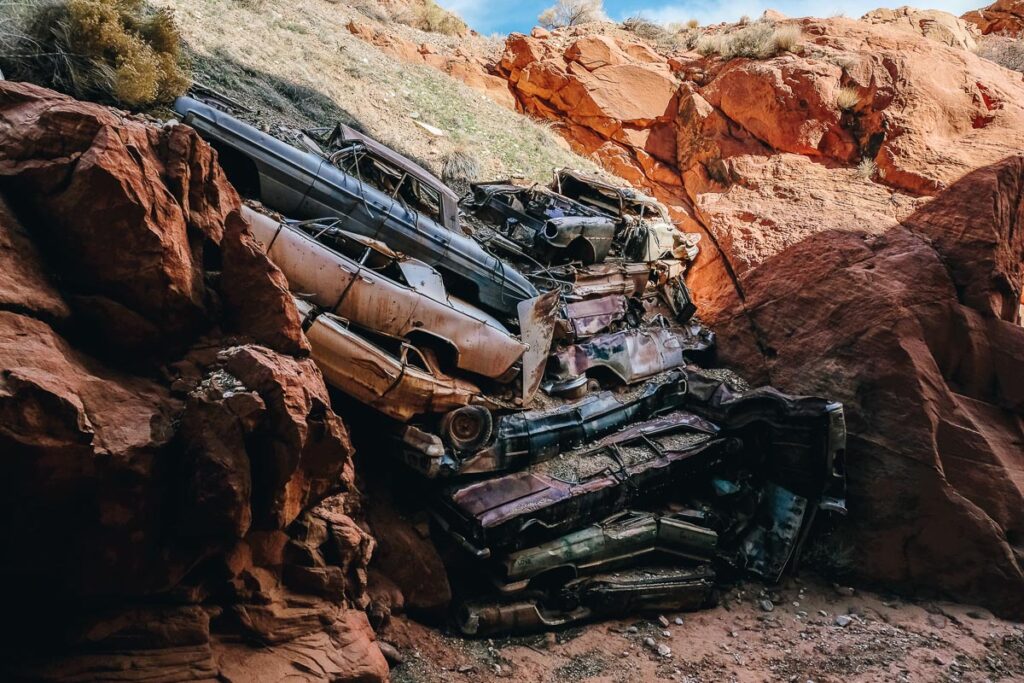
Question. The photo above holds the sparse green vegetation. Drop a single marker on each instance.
(110, 50)
(847, 98)
(759, 40)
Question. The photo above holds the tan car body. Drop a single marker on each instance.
(356, 291)
(400, 386)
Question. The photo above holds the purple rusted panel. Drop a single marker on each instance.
(593, 316)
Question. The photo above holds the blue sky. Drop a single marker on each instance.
(487, 16)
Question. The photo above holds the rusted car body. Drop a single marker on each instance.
(401, 384)
(602, 279)
(624, 538)
(541, 223)
(520, 438)
(358, 154)
(654, 589)
(633, 355)
(369, 285)
(304, 185)
(645, 230)
(793, 443)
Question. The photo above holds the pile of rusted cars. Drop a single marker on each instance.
(534, 350)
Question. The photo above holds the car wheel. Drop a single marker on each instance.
(467, 428)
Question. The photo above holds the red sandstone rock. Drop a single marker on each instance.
(128, 486)
(1003, 17)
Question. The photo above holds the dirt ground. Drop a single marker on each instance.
(806, 630)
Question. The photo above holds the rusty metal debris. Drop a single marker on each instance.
(534, 360)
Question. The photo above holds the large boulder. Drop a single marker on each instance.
(1001, 18)
(913, 327)
(154, 464)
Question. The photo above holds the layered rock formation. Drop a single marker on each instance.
(168, 444)
(861, 210)
(1001, 18)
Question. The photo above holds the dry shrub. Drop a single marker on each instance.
(692, 23)
(110, 50)
(433, 18)
(459, 168)
(1006, 52)
(659, 36)
(572, 13)
(847, 97)
(759, 40)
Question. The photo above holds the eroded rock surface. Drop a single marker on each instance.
(1001, 18)
(163, 477)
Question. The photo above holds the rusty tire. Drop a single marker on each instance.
(467, 428)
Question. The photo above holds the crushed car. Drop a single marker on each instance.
(538, 369)
(644, 230)
(303, 185)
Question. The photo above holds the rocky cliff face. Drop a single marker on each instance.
(861, 209)
(168, 444)
(1001, 18)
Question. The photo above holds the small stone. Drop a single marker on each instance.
(679, 621)
(465, 668)
(796, 604)
(666, 634)
(845, 591)
(649, 642)
(663, 622)
(823, 613)
(390, 653)
(843, 620)
(632, 629)
(550, 639)
(937, 621)
(497, 669)
(767, 605)
(664, 650)
(939, 660)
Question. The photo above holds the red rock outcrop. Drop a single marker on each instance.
(930, 23)
(859, 206)
(1001, 18)
(904, 326)
(164, 480)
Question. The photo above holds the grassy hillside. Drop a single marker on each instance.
(294, 61)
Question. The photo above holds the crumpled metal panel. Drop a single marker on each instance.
(593, 316)
(536, 326)
(633, 355)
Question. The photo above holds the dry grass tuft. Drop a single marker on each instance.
(459, 168)
(693, 23)
(847, 98)
(867, 169)
(759, 40)
(110, 50)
